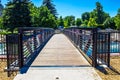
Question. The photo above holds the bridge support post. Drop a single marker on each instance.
(94, 55)
(20, 50)
(108, 50)
(80, 36)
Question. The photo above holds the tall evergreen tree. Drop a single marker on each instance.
(16, 14)
(99, 13)
(50, 6)
(101, 16)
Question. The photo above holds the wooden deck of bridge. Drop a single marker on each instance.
(59, 51)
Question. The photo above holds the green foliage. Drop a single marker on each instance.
(72, 20)
(50, 6)
(60, 21)
(16, 14)
(100, 14)
(95, 18)
(66, 23)
(93, 14)
(85, 16)
(41, 16)
(109, 23)
(46, 19)
(34, 13)
(69, 21)
(1, 23)
(117, 19)
(101, 26)
(78, 22)
(85, 23)
(105, 16)
(24, 13)
(92, 22)
(5, 32)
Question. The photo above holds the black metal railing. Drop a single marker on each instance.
(103, 48)
(12, 44)
(3, 47)
(95, 44)
(24, 46)
(84, 39)
(32, 40)
(108, 43)
(115, 42)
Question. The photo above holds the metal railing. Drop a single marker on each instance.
(115, 42)
(103, 48)
(3, 47)
(94, 44)
(24, 46)
(84, 39)
(32, 41)
(12, 44)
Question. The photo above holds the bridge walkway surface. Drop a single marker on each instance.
(59, 60)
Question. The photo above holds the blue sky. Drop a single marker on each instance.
(77, 7)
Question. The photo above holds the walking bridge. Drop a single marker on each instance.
(38, 53)
(59, 60)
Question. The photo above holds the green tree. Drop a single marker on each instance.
(60, 21)
(101, 16)
(84, 23)
(85, 16)
(50, 6)
(72, 20)
(78, 22)
(1, 23)
(16, 14)
(99, 13)
(93, 14)
(34, 13)
(46, 19)
(92, 22)
(109, 23)
(69, 21)
(117, 19)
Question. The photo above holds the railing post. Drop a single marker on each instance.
(108, 50)
(20, 49)
(80, 43)
(74, 35)
(94, 53)
(34, 33)
(8, 73)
